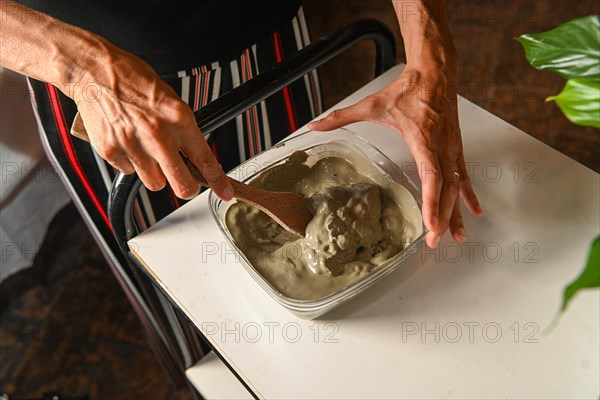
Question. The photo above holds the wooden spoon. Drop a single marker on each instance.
(288, 209)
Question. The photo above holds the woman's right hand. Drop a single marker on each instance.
(133, 119)
(136, 122)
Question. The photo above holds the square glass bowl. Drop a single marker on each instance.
(318, 145)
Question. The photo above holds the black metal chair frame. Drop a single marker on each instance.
(125, 187)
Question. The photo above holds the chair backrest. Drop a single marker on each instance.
(125, 187)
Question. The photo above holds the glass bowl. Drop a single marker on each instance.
(319, 145)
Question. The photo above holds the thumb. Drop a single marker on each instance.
(338, 118)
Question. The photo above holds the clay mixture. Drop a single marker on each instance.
(361, 219)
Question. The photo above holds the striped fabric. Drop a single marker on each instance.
(255, 130)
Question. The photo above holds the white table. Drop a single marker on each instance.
(461, 321)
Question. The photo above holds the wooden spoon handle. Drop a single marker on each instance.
(194, 171)
(263, 199)
(241, 190)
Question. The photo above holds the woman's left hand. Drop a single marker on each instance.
(421, 104)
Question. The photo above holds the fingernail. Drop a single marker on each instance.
(228, 193)
(436, 241)
(461, 232)
(195, 194)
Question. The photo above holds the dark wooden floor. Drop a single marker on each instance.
(65, 324)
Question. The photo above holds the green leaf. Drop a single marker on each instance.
(580, 102)
(590, 276)
(571, 50)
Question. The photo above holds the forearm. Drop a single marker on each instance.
(425, 32)
(39, 46)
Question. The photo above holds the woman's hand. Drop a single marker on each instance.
(137, 122)
(421, 105)
(134, 120)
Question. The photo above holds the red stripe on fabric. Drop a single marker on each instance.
(213, 147)
(289, 106)
(67, 144)
(256, 129)
(244, 78)
(141, 218)
(249, 134)
(174, 199)
(254, 114)
(196, 93)
(252, 111)
(205, 93)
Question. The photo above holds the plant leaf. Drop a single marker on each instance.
(571, 50)
(590, 276)
(580, 102)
